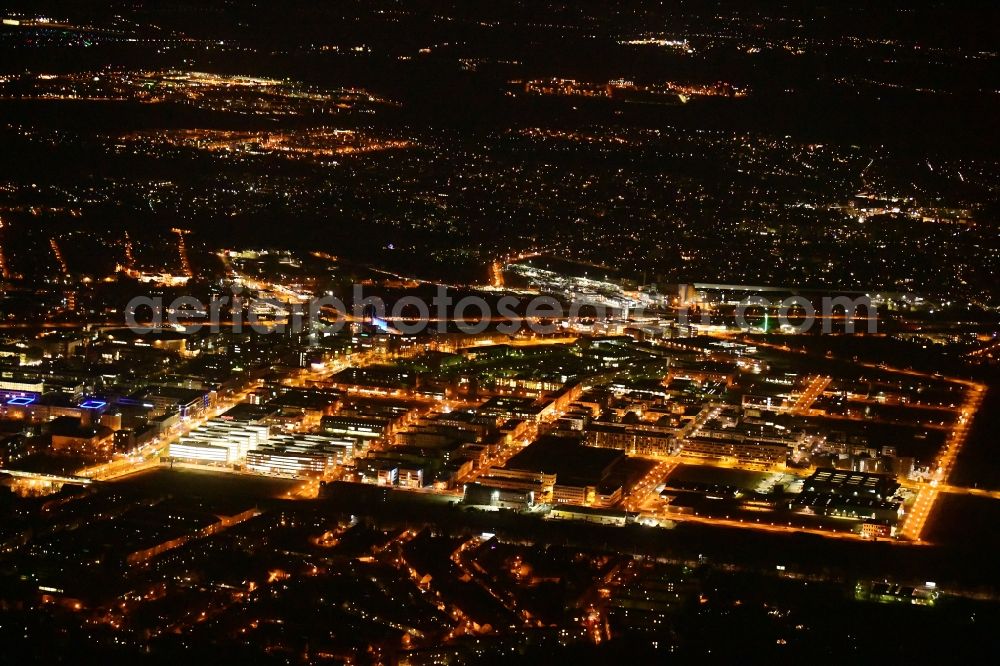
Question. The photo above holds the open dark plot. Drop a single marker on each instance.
(203, 484)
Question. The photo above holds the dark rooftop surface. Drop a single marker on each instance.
(566, 458)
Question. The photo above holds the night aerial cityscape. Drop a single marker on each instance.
(456, 332)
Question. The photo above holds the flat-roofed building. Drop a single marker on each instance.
(20, 384)
(300, 455)
(364, 428)
(237, 438)
(484, 494)
(632, 439)
(863, 507)
(199, 452)
(508, 407)
(70, 434)
(537, 482)
(189, 403)
(743, 451)
(573, 494)
(571, 471)
(588, 514)
(843, 482)
(308, 404)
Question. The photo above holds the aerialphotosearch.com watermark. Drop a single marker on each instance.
(473, 314)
